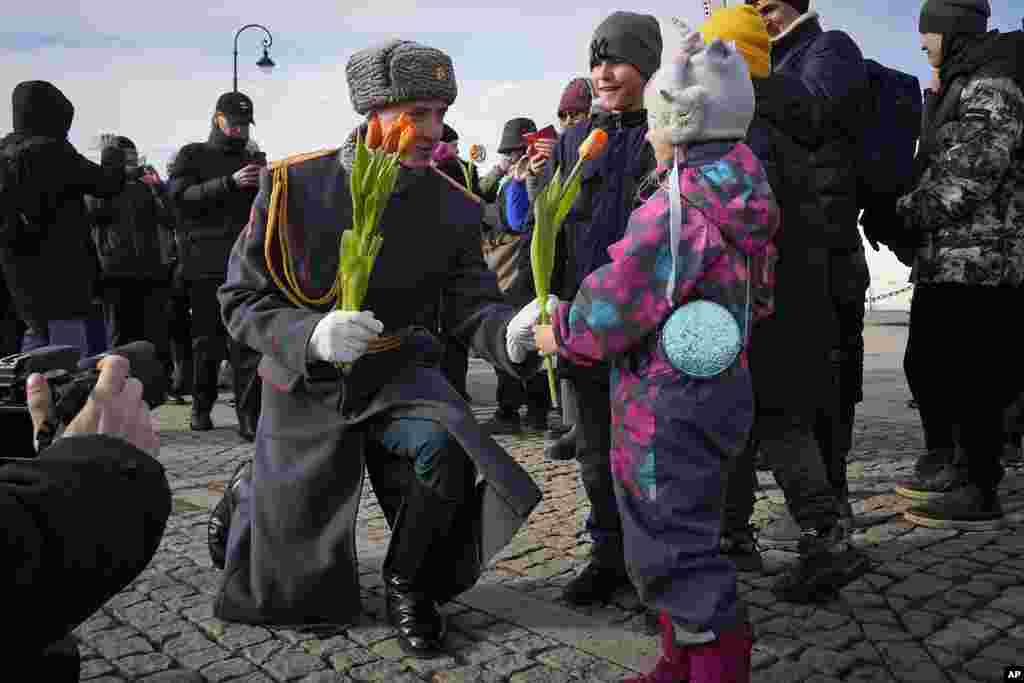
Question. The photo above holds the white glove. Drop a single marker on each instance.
(342, 336)
(519, 341)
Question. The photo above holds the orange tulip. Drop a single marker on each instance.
(594, 145)
(406, 139)
(391, 137)
(374, 133)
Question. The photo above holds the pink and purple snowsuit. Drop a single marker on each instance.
(671, 432)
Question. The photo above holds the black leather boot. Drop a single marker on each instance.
(412, 610)
(219, 524)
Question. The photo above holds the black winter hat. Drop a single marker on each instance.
(40, 108)
(237, 107)
(954, 16)
(512, 135)
(629, 37)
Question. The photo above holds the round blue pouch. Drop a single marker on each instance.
(701, 339)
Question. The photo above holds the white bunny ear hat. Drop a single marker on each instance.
(702, 92)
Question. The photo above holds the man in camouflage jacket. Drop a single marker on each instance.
(967, 213)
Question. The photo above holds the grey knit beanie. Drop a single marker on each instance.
(629, 37)
(399, 71)
(954, 16)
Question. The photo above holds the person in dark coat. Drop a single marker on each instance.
(55, 238)
(446, 159)
(802, 332)
(11, 327)
(965, 216)
(105, 502)
(213, 185)
(815, 94)
(290, 554)
(507, 251)
(624, 53)
(132, 235)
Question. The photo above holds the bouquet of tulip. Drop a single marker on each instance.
(371, 182)
(550, 209)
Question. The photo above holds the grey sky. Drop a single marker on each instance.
(152, 71)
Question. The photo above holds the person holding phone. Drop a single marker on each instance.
(213, 185)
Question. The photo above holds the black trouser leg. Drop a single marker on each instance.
(978, 398)
(794, 455)
(937, 424)
(537, 394)
(510, 393)
(834, 434)
(209, 342)
(593, 446)
(455, 366)
(247, 385)
(740, 484)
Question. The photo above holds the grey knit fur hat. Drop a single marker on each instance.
(399, 71)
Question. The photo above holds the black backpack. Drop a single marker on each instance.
(19, 200)
(891, 129)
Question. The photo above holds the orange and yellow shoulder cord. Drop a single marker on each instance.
(277, 222)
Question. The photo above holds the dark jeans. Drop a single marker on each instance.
(593, 452)
(136, 310)
(953, 328)
(437, 462)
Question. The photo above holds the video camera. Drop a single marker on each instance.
(71, 382)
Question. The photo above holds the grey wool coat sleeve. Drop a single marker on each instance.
(255, 311)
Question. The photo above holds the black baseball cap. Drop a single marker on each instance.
(237, 107)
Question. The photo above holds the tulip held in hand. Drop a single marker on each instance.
(550, 209)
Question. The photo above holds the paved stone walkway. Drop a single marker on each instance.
(939, 606)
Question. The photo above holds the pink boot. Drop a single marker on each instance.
(674, 665)
(726, 660)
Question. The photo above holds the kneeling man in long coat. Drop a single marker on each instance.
(452, 495)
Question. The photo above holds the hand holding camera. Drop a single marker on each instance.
(114, 407)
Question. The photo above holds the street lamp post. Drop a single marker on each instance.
(265, 63)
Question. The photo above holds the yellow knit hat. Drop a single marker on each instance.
(742, 25)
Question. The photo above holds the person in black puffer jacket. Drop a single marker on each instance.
(213, 185)
(130, 232)
(815, 94)
(53, 236)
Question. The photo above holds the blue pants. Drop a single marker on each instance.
(87, 335)
(436, 461)
(672, 540)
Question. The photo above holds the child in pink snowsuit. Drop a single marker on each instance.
(672, 431)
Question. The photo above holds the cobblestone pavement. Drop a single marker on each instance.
(939, 606)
